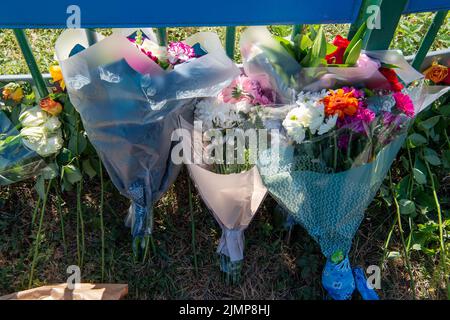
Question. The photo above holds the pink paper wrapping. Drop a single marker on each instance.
(233, 200)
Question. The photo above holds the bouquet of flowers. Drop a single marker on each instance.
(221, 162)
(130, 92)
(29, 133)
(335, 148)
(310, 63)
(17, 161)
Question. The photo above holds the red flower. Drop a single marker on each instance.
(392, 78)
(446, 81)
(337, 56)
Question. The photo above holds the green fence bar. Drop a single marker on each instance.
(91, 36)
(390, 13)
(428, 40)
(230, 41)
(162, 36)
(31, 62)
(296, 29)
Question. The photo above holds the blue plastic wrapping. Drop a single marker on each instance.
(130, 107)
(17, 162)
(330, 203)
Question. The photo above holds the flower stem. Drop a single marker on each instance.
(194, 250)
(335, 153)
(102, 226)
(439, 214)
(81, 224)
(61, 217)
(36, 208)
(402, 237)
(38, 235)
(386, 243)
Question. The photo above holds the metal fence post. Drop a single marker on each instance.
(428, 40)
(31, 62)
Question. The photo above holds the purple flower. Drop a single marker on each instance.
(179, 52)
(359, 121)
(343, 141)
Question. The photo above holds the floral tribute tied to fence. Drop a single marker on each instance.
(333, 116)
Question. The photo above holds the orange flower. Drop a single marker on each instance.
(51, 106)
(13, 91)
(56, 74)
(340, 103)
(436, 72)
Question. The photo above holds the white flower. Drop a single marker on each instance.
(33, 117)
(216, 114)
(39, 140)
(243, 106)
(307, 115)
(294, 125)
(156, 50)
(40, 131)
(311, 97)
(52, 123)
(329, 124)
(36, 117)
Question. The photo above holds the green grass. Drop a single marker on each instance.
(273, 268)
(411, 30)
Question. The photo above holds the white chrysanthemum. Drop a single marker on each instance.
(329, 124)
(215, 114)
(311, 97)
(307, 115)
(294, 126)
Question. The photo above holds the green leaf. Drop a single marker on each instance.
(317, 52)
(445, 110)
(402, 187)
(416, 140)
(407, 207)
(40, 187)
(393, 255)
(354, 53)
(286, 45)
(87, 168)
(419, 176)
(431, 157)
(50, 171)
(72, 173)
(446, 159)
(77, 144)
(429, 123)
(64, 157)
(389, 66)
(359, 35)
(331, 48)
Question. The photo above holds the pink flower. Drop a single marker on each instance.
(179, 52)
(359, 121)
(244, 88)
(148, 53)
(404, 103)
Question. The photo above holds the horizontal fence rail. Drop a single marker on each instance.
(113, 13)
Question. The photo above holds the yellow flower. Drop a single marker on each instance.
(56, 74)
(13, 91)
(436, 72)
